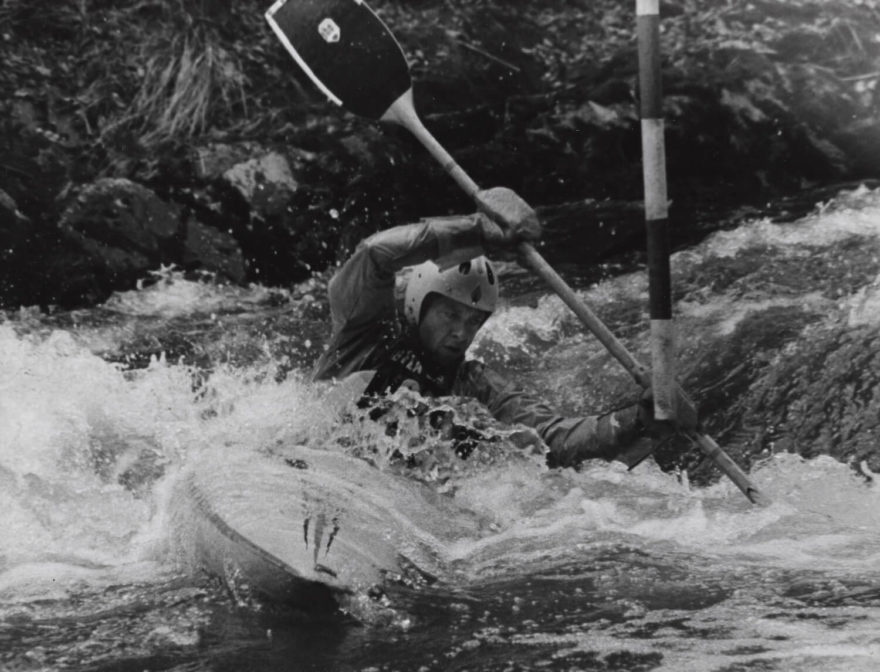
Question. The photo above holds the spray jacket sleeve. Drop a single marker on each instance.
(570, 439)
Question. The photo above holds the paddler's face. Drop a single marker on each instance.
(448, 328)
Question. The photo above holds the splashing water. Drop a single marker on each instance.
(600, 568)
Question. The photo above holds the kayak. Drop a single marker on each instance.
(306, 527)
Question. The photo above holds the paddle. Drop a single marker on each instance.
(352, 57)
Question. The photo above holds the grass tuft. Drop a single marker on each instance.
(189, 82)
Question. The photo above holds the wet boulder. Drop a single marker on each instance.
(797, 370)
(247, 179)
(861, 142)
(211, 161)
(116, 231)
(266, 182)
(283, 229)
(208, 248)
(14, 225)
(15, 238)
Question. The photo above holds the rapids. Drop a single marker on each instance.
(102, 411)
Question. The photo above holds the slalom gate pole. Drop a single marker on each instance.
(656, 211)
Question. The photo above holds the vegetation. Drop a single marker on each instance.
(762, 98)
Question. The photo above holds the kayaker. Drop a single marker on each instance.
(451, 291)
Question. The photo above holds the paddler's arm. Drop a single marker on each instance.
(362, 290)
(361, 293)
(619, 435)
(364, 287)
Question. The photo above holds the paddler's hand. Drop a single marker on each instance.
(505, 220)
(687, 419)
(635, 433)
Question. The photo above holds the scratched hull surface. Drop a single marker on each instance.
(308, 527)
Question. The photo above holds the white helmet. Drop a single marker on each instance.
(472, 283)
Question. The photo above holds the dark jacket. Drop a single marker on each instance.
(367, 327)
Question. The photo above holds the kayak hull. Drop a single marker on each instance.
(307, 527)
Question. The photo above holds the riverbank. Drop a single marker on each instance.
(140, 136)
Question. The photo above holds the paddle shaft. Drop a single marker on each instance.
(402, 112)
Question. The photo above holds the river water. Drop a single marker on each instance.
(597, 569)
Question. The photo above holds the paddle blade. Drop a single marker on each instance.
(346, 50)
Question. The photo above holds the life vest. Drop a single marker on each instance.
(399, 360)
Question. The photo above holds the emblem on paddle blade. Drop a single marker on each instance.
(346, 50)
(329, 31)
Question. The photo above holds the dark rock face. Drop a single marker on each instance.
(254, 194)
(123, 226)
(269, 182)
(266, 182)
(795, 374)
(115, 232)
(15, 234)
(204, 247)
(828, 401)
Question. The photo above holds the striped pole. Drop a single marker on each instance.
(656, 212)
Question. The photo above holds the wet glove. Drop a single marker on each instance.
(632, 433)
(628, 434)
(505, 220)
(687, 419)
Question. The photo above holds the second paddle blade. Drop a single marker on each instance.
(346, 50)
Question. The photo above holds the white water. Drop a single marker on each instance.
(71, 424)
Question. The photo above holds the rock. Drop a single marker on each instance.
(240, 181)
(112, 234)
(830, 403)
(211, 161)
(254, 195)
(13, 223)
(206, 247)
(282, 229)
(15, 238)
(122, 230)
(266, 182)
(117, 231)
(861, 143)
(119, 213)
